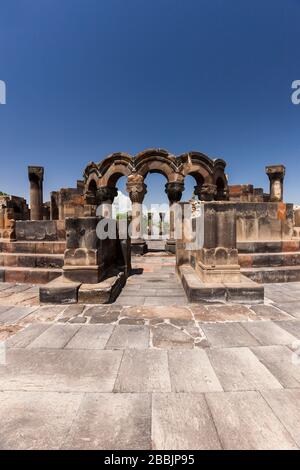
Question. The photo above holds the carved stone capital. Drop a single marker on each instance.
(207, 192)
(276, 175)
(275, 172)
(137, 190)
(174, 191)
(36, 174)
(106, 194)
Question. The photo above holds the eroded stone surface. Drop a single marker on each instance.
(181, 422)
(245, 421)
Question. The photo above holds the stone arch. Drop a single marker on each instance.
(156, 161)
(114, 167)
(198, 165)
(208, 174)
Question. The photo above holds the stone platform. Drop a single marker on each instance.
(207, 376)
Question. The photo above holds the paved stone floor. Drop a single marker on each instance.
(152, 373)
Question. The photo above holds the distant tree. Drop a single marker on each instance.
(3, 194)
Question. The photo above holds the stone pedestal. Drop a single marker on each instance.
(212, 271)
(36, 176)
(276, 175)
(87, 258)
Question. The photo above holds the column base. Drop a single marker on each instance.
(171, 245)
(138, 247)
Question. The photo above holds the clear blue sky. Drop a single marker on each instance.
(89, 77)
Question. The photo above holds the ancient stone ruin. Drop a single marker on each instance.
(249, 237)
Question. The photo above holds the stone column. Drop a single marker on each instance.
(161, 220)
(36, 177)
(206, 191)
(174, 192)
(105, 197)
(276, 176)
(150, 224)
(137, 190)
(54, 212)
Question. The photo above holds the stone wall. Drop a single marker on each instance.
(264, 221)
(40, 230)
(12, 208)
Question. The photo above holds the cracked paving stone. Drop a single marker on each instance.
(222, 313)
(78, 320)
(167, 336)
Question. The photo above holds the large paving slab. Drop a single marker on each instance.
(245, 421)
(293, 308)
(285, 405)
(4, 308)
(268, 333)
(282, 362)
(36, 420)
(226, 335)
(182, 421)
(15, 314)
(169, 336)
(191, 371)
(24, 337)
(269, 312)
(293, 327)
(143, 371)
(222, 313)
(60, 370)
(90, 337)
(158, 312)
(112, 421)
(129, 337)
(56, 336)
(239, 369)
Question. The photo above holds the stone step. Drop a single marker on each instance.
(272, 274)
(28, 275)
(29, 260)
(257, 260)
(49, 247)
(269, 246)
(198, 291)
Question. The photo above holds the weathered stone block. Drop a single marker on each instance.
(59, 291)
